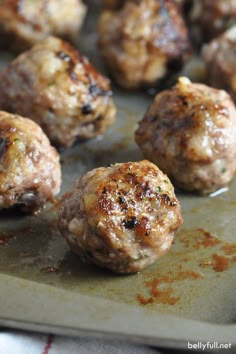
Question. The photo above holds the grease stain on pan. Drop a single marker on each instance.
(176, 284)
(204, 250)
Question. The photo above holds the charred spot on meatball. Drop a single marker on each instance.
(189, 131)
(130, 223)
(87, 108)
(60, 90)
(24, 23)
(122, 217)
(144, 42)
(30, 173)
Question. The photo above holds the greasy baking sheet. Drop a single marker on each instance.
(189, 295)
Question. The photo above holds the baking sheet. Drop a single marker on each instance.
(189, 294)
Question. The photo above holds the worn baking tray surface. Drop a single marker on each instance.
(189, 294)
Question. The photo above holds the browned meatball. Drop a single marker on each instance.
(220, 58)
(30, 173)
(60, 90)
(190, 133)
(121, 217)
(212, 17)
(26, 22)
(143, 42)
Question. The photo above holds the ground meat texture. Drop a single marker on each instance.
(212, 17)
(189, 131)
(60, 90)
(143, 42)
(30, 173)
(25, 22)
(220, 58)
(121, 217)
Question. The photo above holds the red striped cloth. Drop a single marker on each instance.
(15, 342)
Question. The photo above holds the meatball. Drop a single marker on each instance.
(212, 17)
(143, 42)
(30, 173)
(59, 89)
(189, 131)
(122, 217)
(24, 23)
(220, 58)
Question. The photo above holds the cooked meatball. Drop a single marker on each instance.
(60, 90)
(190, 133)
(30, 173)
(143, 42)
(26, 22)
(220, 58)
(122, 217)
(212, 17)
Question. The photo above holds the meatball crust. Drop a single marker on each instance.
(212, 18)
(25, 22)
(60, 90)
(121, 217)
(30, 172)
(220, 59)
(143, 42)
(189, 131)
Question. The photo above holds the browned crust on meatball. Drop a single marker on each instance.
(24, 23)
(121, 217)
(143, 42)
(190, 132)
(30, 173)
(59, 89)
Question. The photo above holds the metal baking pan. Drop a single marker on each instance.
(188, 296)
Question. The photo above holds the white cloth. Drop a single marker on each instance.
(14, 342)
